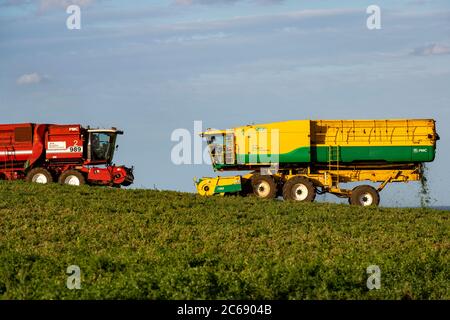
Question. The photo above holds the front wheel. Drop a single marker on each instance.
(364, 196)
(264, 187)
(72, 178)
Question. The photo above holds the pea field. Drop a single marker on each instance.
(150, 244)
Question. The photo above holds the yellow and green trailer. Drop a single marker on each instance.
(298, 159)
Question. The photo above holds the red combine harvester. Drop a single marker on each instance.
(69, 154)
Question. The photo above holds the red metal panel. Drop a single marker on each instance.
(64, 142)
(16, 143)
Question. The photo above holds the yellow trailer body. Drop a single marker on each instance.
(298, 142)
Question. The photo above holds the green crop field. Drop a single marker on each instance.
(149, 244)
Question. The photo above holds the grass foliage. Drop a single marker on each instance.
(148, 244)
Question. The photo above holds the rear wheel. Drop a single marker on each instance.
(39, 175)
(72, 178)
(299, 189)
(264, 187)
(364, 196)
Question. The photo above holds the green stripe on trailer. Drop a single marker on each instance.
(297, 155)
(376, 153)
(347, 154)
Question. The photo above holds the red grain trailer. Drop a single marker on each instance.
(69, 154)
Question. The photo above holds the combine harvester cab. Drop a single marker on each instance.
(69, 154)
(301, 158)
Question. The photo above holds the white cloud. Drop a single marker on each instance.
(432, 49)
(30, 78)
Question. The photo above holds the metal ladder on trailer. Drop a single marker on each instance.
(333, 164)
(229, 149)
(8, 163)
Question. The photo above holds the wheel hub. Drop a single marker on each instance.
(263, 189)
(72, 181)
(366, 199)
(40, 178)
(300, 192)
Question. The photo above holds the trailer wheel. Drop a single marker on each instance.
(264, 187)
(39, 175)
(299, 189)
(364, 196)
(72, 178)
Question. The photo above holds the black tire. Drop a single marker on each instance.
(264, 187)
(299, 189)
(39, 175)
(365, 196)
(72, 177)
(247, 188)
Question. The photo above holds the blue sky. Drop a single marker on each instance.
(150, 67)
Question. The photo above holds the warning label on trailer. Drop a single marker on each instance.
(56, 145)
